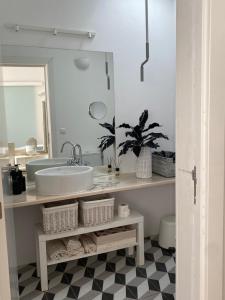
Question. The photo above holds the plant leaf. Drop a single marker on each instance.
(128, 141)
(109, 142)
(104, 136)
(143, 119)
(151, 126)
(126, 146)
(159, 135)
(138, 133)
(106, 142)
(130, 133)
(124, 125)
(108, 126)
(151, 144)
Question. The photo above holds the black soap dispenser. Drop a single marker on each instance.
(18, 181)
(22, 180)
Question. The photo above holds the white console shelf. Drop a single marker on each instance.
(41, 243)
(125, 182)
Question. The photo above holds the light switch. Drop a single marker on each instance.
(62, 130)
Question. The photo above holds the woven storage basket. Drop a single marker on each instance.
(96, 212)
(113, 235)
(162, 165)
(60, 217)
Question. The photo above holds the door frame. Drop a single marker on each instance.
(213, 242)
(209, 28)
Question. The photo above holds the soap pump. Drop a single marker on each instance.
(18, 180)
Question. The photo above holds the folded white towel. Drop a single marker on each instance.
(72, 243)
(88, 244)
(56, 250)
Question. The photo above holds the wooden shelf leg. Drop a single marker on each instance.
(140, 246)
(130, 251)
(37, 255)
(43, 266)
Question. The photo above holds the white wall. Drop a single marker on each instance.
(23, 75)
(120, 29)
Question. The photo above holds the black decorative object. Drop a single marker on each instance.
(141, 137)
(107, 140)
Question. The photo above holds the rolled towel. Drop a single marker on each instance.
(72, 243)
(88, 244)
(56, 250)
(77, 252)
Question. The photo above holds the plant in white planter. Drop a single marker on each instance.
(141, 142)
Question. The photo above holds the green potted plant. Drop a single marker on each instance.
(140, 140)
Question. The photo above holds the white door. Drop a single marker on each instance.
(200, 144)
(4, 268)
(188, 138)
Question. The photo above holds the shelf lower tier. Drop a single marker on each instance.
(111, 247)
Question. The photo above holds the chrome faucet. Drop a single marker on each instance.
(74, 160)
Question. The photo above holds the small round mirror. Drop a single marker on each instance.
(97, 110)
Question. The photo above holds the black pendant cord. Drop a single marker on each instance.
(107, 72)
(147, 42)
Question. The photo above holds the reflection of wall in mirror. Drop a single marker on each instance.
(74, 91)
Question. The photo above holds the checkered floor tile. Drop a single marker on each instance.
(111, 276)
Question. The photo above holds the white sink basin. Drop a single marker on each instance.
(40, 164)
(64, 180)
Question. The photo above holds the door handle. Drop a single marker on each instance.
(193, 174)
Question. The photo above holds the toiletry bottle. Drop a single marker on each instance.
(117, 171)
(16, 186)
(109, 168)
(7, 180)
(16, 181)
(22, 180)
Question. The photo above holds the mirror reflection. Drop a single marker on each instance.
(53, 96)
(97, 110)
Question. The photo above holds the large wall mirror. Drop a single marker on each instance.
(57, 95)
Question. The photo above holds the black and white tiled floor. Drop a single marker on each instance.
(111, 276)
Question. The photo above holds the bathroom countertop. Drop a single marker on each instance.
(102, 185)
